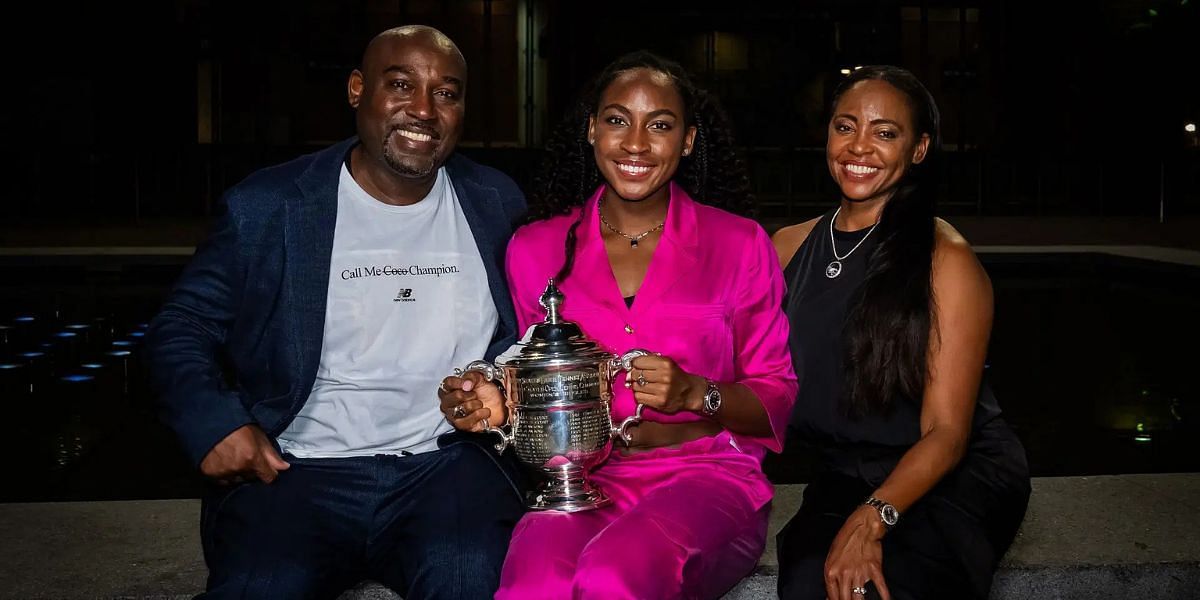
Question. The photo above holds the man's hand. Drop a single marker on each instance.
(244, 454)
(468, 400)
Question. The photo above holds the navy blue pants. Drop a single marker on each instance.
(433, 525)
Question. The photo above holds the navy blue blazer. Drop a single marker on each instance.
(238, 340)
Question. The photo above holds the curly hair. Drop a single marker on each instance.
(713, 173)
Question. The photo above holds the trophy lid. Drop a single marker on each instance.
(553, 342)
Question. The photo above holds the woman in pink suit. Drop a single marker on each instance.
(625, 219)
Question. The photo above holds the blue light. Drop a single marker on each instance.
(77, 378)
(78, 326)
(32, 354)
(66, 334)
(92, 366)
(137, 334)
(119, 353)
(122, 343)
(24, 319)
(6, 366)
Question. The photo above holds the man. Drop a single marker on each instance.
(298, 357)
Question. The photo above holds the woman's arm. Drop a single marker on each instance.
(962, 310)
(962, 307)
(758, 402)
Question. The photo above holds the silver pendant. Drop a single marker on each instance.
(633, 243)
(834, 269)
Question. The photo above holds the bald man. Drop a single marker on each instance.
(298, 356)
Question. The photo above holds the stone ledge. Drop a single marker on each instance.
(1119, 536)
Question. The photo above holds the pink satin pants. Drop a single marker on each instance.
(684, 523)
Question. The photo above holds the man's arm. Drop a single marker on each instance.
(183, 343)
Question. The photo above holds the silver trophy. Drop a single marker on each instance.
(558, 386)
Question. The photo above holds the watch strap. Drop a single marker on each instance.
(887, 513)
(712, 399)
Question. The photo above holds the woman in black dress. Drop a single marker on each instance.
(921, 485)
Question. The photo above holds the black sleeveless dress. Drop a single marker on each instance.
(949, 542)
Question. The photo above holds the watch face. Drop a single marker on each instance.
(889, 514)
(712, 400)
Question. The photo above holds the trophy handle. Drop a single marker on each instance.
(489, 373)
(625, 363)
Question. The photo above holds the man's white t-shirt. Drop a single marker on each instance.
(408, 301)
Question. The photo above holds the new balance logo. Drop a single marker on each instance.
(404, 295)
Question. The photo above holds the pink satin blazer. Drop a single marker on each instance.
(711, 300)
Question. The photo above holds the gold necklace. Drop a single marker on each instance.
(633, 239)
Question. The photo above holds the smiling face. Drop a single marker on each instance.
(873, 141)
(639, 134)
(409, 98)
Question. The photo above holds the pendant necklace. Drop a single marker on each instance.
(835, 266)
(633, 239)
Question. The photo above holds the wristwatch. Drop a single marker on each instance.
(887, 513)
(712, 399)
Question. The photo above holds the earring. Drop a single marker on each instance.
(687, 151)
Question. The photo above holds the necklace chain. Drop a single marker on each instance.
(835, 266)
(833, 243)
(633, 239)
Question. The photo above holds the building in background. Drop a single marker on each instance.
(137, 112)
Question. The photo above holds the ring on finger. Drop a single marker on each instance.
(459, 412)
(442, 386)
(641, 379)
(859, 591)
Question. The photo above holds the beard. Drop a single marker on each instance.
(408, 166)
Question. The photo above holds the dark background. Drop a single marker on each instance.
(1064, 124)
(132, 112)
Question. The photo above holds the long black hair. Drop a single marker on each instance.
(713, 173)
(888, 328)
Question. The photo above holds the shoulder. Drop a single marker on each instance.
(536, 252)
(474, 178)
(950, 247)
(719, 225)
(789, 239)
(735, 247)
(956, 269)
(268, 187)
(542, 234)
(467, 170)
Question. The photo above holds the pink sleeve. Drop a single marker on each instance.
(518, 265)
(762, 358)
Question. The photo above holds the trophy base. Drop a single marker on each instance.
(567, 490)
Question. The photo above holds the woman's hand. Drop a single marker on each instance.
(469, 399)
(856, 557)
(659, 383)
